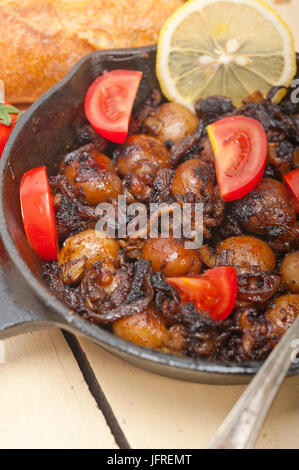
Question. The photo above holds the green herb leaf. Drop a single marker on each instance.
(6, 110)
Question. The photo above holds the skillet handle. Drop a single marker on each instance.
(20, 310)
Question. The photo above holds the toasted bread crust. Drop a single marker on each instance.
(40, 40)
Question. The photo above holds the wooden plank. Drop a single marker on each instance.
(44, 400)
(161, 413)
(96, 390)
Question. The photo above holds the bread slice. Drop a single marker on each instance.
(40, 40)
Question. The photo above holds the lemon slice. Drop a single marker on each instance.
(224, 47)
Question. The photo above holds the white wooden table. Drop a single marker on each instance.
(46, 402)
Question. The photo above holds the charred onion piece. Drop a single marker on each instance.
(185, 145)
(137, 121)
(138, 299)
(257, 288)
(213, 107)
(72, 271)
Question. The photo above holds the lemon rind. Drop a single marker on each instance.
(167, 85)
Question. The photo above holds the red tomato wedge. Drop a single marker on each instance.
(8, 117)
(215, 291)
(292, 180)
(109, 102)
(38, 213)
(240, 150)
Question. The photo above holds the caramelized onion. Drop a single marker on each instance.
(183, 146)
(257, 288)
(209, 256)
(72, 271)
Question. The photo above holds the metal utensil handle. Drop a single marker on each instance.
(241, 427)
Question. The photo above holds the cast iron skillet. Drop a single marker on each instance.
(41, 137)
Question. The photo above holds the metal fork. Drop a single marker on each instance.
(241, 427)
